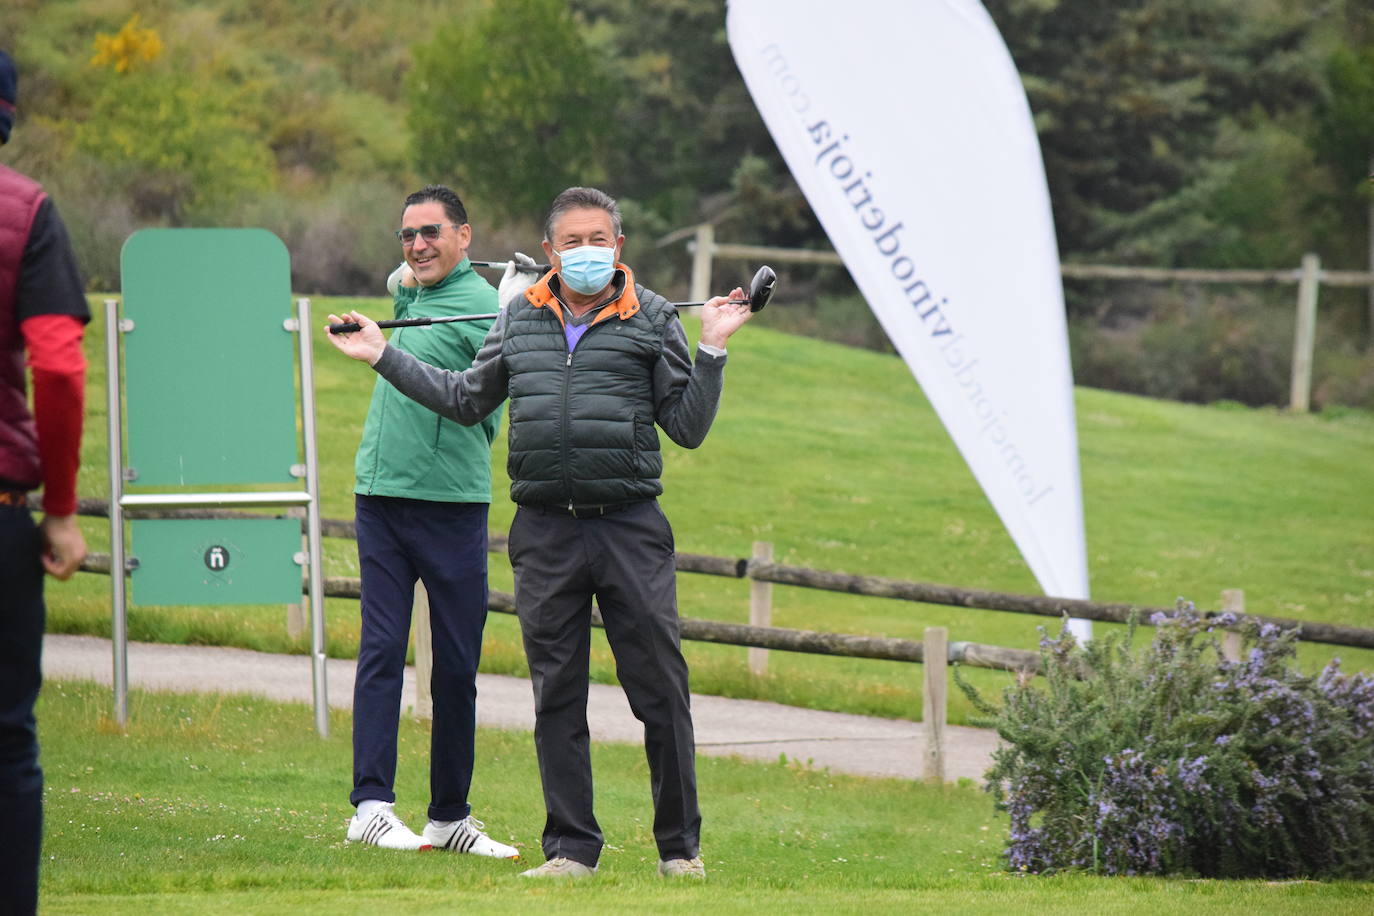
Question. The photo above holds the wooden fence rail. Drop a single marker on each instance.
(928, 593)
(1309, 278)
(976, 655)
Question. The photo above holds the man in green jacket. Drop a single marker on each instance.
(421, 500)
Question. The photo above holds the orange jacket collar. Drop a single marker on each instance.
(540, 295)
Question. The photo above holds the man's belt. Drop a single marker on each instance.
(17, 498)
(584, 511)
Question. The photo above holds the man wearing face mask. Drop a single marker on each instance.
(591, 361)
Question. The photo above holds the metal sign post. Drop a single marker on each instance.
(207, 403)
(315, 561)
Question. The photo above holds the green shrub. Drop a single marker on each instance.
(178, 147)
(1177, 761)
(1186, 345)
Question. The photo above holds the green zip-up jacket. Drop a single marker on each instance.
(408, 450)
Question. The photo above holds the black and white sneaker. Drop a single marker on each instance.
(467, 836)
(384, 829)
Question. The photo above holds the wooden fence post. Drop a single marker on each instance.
(760, 607)
(1232, 600)
(1369, 291)
(424, 653)
(703, 252)
(295, 620)
(1304, 335)
(933, 711)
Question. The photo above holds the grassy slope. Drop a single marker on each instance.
(216, 804)
(834, 455)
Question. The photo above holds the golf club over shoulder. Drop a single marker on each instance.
(760, 288)
(760, 292)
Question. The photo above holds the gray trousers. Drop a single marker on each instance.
(626, 560)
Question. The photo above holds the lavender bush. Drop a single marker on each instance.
(1175, 760)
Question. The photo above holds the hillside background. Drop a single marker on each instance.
(1176, 133)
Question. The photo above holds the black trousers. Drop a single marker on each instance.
(445, 546)
(21, 650)
(626, 561)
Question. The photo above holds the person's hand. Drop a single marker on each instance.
(401, 276)
(365, 344)
(63, 546)
(515, 281)
(720, 317)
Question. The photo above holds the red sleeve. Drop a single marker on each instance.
(59, 402)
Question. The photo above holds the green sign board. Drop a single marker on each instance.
(209, 366)
(216, 561)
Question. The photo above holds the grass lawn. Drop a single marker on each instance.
(229, 804)
(833, 455)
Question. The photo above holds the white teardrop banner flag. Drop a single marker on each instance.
(907, 128)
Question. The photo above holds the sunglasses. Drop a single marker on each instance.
(429, 233)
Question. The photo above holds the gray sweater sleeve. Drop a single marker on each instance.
(686, 395)
(466, 396)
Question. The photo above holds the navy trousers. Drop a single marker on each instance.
(21, 650)
(444, 545)
(626, 561)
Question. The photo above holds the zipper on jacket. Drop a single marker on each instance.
(564, 456)
(397, 334)
(567, 393)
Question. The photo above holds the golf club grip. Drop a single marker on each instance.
(682, 305)
(348, 327)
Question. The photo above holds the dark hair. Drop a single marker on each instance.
(453, 205)
(578, 199)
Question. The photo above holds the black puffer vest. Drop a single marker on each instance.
(582, 423)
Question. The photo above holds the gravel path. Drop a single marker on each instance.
(750, 729)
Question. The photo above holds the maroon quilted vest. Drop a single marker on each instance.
(19, 201)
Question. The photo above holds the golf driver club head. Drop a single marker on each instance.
(761, 288)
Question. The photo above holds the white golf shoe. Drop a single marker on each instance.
(385, 830)
(467, 836)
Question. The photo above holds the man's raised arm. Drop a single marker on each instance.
(465, 397)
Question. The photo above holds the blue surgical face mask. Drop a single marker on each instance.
(587, 269)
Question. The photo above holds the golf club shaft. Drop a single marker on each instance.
(542, 268)
(760, 291)
(501, 265)
(348, 327)
(727, 301)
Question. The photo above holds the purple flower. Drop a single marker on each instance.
(1196, 764)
